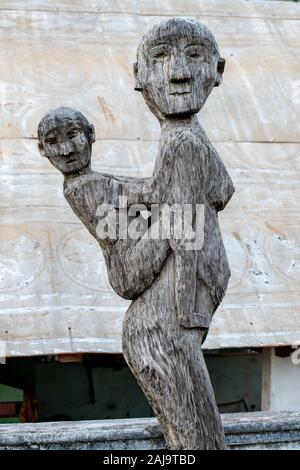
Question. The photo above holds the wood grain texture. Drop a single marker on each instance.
(175, 289)
(256, 136)
(165, 326)
(72, 52)
(226, 8)
(259, 309)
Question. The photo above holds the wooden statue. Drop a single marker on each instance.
(175, 288)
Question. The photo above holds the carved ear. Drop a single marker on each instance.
(41, 149)
(220, 70)
(91, 131)
(137, 85)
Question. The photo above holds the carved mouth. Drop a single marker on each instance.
(71, 158)
(180, 89)
(177, 93)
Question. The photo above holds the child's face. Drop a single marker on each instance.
(66, 145)
(179, 74)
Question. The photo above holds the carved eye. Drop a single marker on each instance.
(193, 52)
(73, 133)
(160, 52)
(196, 52)
(51, 140)
(161, 55)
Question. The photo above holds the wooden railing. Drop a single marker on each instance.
(262, 430)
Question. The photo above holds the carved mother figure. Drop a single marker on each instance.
(175, 291)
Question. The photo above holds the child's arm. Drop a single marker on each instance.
(132, 264)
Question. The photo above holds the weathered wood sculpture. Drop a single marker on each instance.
(175, 288)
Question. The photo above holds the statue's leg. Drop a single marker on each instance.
(168, 364)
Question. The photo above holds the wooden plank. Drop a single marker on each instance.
(62, 310)
(259, 171)
(47, 60)
(228, 8)
(137, 157)
(47, 257)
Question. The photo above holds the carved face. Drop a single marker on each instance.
(66, 144)
(177, 70)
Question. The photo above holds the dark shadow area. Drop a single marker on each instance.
(101, 386)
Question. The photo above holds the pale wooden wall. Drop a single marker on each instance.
(80, 54)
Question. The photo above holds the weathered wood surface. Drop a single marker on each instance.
(256, 136)
(268, 317)
(255, 54)
(164, 327)
(242, 431)
(240, 8)
(175, 288)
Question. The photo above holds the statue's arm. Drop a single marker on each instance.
(86, 193)
(132, 264)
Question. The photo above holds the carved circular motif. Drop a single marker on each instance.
(21, 259)
(283, 251)
(81, 259)
(238, 258)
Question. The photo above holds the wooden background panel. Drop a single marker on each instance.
(267, 193)
(265, 175)
(84, 60)
(19, 156)
(55, 332)
(50, 242)
(62, 311)
(46, 63)
(231, 327)
(239, 327)
(138, 157)
(264, 255)
(231, 8)
(261, 156)
(54, 261)
(104, 27)
(49, 264)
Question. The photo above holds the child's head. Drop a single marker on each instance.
(65, 137)
(178, 64)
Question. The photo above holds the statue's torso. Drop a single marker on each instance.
(189, 171)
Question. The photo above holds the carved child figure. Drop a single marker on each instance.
(65, 137)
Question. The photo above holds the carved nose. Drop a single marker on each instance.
(179, 71)
(65, 148)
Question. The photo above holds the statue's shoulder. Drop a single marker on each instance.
(93, 188)
(80, 182)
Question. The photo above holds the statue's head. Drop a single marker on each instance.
(65, 137)
(178, 64)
